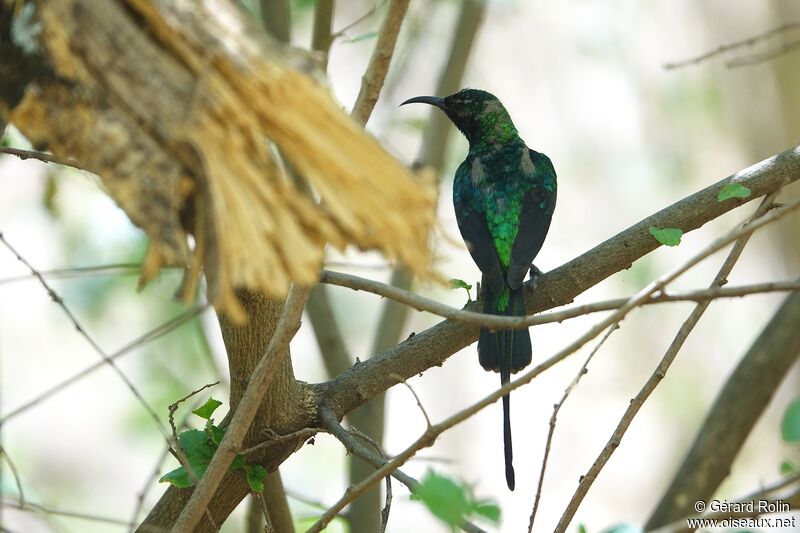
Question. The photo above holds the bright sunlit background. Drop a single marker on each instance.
(585, 83)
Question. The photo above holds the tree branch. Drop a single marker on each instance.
(372, 81)
(321, 37)
(393, 317)
(355, 447)
(730, 420)
(658, 374)
(429, 436)
(558, 287)
(39, 156)
(276, 17)
(750, 41)
(246, 410)
(422, 303)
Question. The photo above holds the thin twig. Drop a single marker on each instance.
(419, 403)
(429, 436)
(153, 334)
(174, 406)
(287, 326)
(39, 156)
(760, 495)
(36, 508)
(15, 473)
(750, 41)
(78, 272)
(556, 408)
(421, 303)
(372, 81)
(371, 11)
(355, 447)
(140, 497)
(658, 375)
(764, 56)
(388, 506)
(85, 334)
(274, 439)
(177, 451)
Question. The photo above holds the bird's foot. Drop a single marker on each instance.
(535, 273)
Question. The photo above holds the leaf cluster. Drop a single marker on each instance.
(199, 446)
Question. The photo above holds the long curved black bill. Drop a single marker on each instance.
(430, 100)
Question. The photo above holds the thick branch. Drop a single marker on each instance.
(430, 434)
(246, 410)
(558, 287)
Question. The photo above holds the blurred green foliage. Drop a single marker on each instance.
(452, 502)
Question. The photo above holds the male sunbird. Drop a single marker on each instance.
(504, 194)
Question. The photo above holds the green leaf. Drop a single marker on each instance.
(216, 433)
(582, 528)
(788, 468)
(255, 477)
(197, 446)
(446, 499)
(207, 409)
(178, 477)
(238, 463)
(667, 236)
(790, 426)
(456, 283)
(733, 190)
(488, 510)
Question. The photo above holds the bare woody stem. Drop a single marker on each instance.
(245, 412)
(372, 81)
(429, 436)
(659, 373)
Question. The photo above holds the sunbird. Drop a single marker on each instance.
(504, 195)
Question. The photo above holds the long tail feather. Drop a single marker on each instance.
(506, 352)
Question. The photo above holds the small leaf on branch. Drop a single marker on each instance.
(667, 236)
(255, 477)
(207, 409)
(198, 449)
(733, 190)
(456, 283)
(790, 426)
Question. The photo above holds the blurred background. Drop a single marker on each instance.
(585, 83)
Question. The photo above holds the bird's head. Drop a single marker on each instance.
(479, 115)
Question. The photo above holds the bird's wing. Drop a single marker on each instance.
(475, 232)
(537, 211)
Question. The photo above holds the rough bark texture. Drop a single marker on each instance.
(737, 408)
(119, 104)
(559, 286)
(287, 402)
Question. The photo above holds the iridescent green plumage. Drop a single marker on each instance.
(504, 195)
